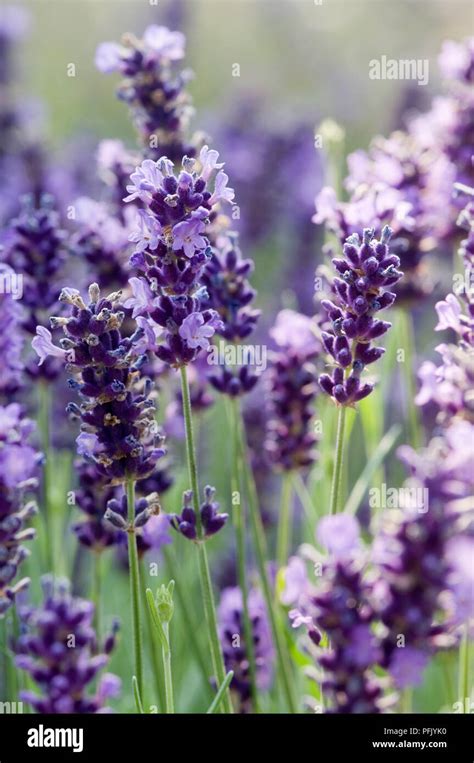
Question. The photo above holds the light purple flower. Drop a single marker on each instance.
(156, 532)
(449, 312)
(208, 158)
(166, 44)
(362, 649)
(43, 346)
(339, 534)
(195, 332)
(298, 619)
(294, 330)
(146, 179)
(221, 192)
(187, 236)
(86, 444)
(296, 581)
(147, 233)
(142, 299)
(407, 666)
(152, 333)
(108, 57)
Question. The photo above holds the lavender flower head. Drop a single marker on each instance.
(59, 651)
(118, 430)
(291, 388)
(18, 477)
(360, 291)
(172, 250)
(11, 336)
(419, 594)
(231, 633)
(340, 607)
(210, 518)
(153, 89)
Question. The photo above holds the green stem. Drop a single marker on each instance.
(188, 616)
(464, 689)
(337, 469)
(284, 521)
(406, 701)
(206, 585)
(218, 698)
(166, 651)
(240, 533)
(153, 645)
(261, 554)
(134, 586)
(407, 340)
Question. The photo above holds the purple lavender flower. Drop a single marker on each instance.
(154, 90)
(340, 607)
(91, 498)
(173, 261)
(211, 519)
(59, 651)
(36, 249)
(18, 477)
(11, 337)
(291, 392)
(360, 290)
(118, 430)
(147, 509)
(231, 633)
(413, 595)
(102, 241)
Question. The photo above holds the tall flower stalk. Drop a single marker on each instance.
(360, 290)
(206, 584)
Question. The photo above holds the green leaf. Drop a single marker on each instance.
(362, 485)
(220, 694)
(136, 694)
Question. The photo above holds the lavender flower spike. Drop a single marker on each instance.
(212, 520)
(117, 414)
(18, 472)
(59, 650)
(360, 291)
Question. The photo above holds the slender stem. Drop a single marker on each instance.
(134, 586)
(464, 670)
(240, 533)
(150, 632)
(261, 554)
(206, 585)
(166, 650)
(188, 616)
(284, 521)
(407, 339)
(337, 469)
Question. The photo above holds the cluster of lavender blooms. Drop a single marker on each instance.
(340, 607)
(154, 90)
(230, 616)
(18, 477)
(360, 290)
(449, 386)
(59, 651)
(36, 248)
(291, 389)
(230, 294)
(11, 337)
(152, 526)
(424, 582)
(448, 126)
(172, 251)
(101, 240)
(211, 519)
(119, 434)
